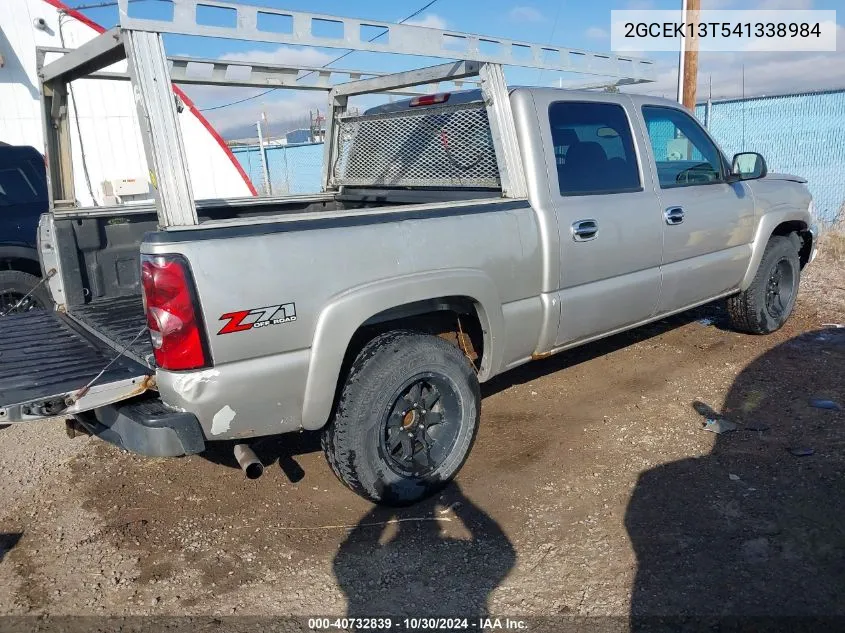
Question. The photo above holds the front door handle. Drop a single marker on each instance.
(584, 230)
(674, 215)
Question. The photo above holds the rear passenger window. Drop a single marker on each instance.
(594, 149)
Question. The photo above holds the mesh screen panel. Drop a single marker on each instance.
(445, 146)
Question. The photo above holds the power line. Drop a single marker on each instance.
(373, 39)
(326, 65)
(551, 38)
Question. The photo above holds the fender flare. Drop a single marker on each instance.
(18, 251)
(768, 223)
(346, 312)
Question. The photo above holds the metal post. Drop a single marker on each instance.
(57, 145)
(707, 111)
(337, 106)
(268, 188)
(287, 170)
(495, 92)
(160, 130)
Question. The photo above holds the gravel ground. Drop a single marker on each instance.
(592, 490)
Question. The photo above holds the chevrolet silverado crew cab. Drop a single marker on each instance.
(459, 235)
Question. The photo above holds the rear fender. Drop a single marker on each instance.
(345, 313)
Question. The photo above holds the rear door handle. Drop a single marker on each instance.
(584, 230)
(674, 215)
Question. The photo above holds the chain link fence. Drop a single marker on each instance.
(293, 169)
(801, 134)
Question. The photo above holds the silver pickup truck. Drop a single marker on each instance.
(459, 235)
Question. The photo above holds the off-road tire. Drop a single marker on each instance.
(353, 440)
(20, 283)
(748, 310)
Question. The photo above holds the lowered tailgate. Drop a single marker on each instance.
(50, 366)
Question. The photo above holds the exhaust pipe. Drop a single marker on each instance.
(74, 428)
(248, 461)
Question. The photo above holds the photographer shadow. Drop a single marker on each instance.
(418, 561)
(8, 541)
(756, 528)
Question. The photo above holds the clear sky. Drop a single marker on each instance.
(571, 23)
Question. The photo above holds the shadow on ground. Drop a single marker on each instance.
(757, 527)
(281, 449)
(8, 540)
(441, 557)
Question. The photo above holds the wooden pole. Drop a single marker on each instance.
(690, 67)
(682, 56)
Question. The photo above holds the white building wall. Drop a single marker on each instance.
(108, 141)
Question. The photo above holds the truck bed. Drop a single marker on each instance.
(118, 320)
(99, 251)
(45, 354)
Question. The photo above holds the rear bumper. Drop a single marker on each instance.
(147, 427)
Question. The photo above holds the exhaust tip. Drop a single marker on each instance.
(254, 470)
(74, 429)
(248, 461)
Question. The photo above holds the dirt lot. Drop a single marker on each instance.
(592, 490)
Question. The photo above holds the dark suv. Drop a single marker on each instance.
(23, 198)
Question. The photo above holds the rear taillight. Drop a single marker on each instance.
(175, 328)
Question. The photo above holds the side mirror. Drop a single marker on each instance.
(748, 166)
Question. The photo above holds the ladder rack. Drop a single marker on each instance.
(187, 70)
(264, 24)
(139, 41)
(225, 72)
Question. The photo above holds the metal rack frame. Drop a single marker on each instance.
(187, 70)
(139, 41)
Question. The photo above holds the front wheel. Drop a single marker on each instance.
(767, 303)
(406, 419)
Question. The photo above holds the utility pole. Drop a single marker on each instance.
(690, 54)
(316, 126)
(682, 55)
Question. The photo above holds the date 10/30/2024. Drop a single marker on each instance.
(417, 624)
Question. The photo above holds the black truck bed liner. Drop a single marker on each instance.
(118, 320)
(45, 354)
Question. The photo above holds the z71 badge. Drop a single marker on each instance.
(258, 317)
